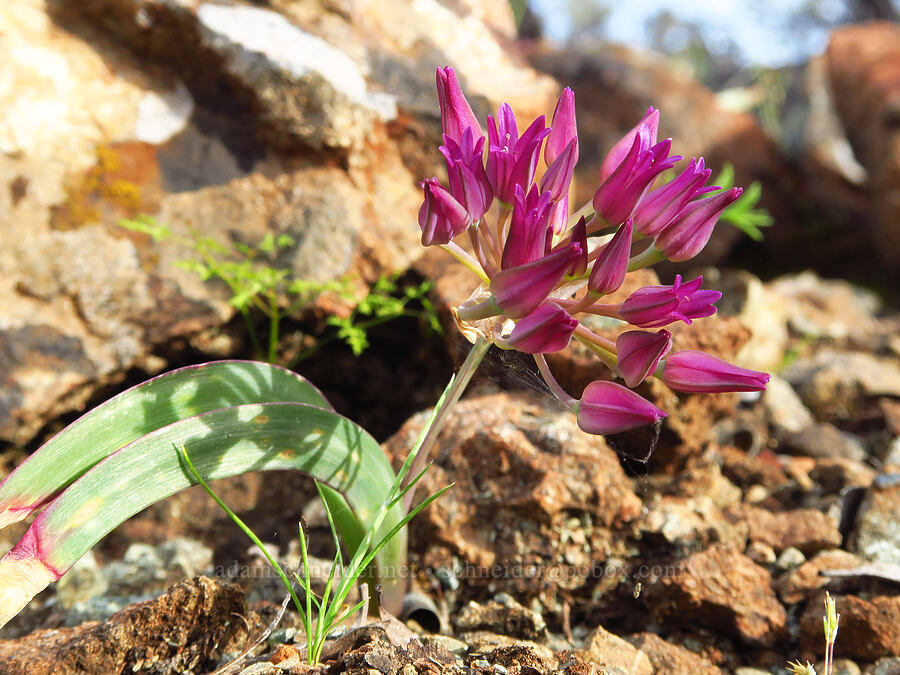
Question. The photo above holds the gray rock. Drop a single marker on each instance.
(877, 533)
(834, 384)
(790, 558)
(826, 441)
(783, 406)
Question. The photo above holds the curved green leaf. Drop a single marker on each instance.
(221, 443)
(136, 412)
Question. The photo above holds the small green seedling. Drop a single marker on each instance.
(258, 286)
(830, 624)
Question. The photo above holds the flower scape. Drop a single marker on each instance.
(544, 267)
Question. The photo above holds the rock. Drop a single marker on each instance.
(824, 440)
(836, 474)
(892, 459)
(187, 628)
(806, 529)
(836, 384)
(509, 618)
(790, 557)
(844, 667)
(760, 553)
(869, 629)
(533, 496)
(84, 580)
(876, 536)
(521, 659)
(723, 590)
(670, 659)
(689, 525)
(762, 311)
(863, 65)
(797, 584)
(746, 470)
(784, 409)
(484, 642)
(614, 655)
(260, 121)
(886, 666)
(820, 308)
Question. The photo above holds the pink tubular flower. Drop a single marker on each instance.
(465, 170)
(620, 192)
(547, 329)
(639, 352)
(441, 217)
(518, 291)
(611, 265)
(456, 114)
(695, 372)
(562, 128)
(657, 306)
(529, 234)
(686, 236)
(663, 204)
(558, 176)
(512, 159)
(610, 408)
(650, 122)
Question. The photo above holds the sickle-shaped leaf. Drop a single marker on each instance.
(221, 443)
(144, 408)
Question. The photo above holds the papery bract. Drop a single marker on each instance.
(656, 306)
(518, 291)
(611, 265)
(639, 352)
(686, 236)
(441, 217)
(456, 114)
(696, 372)
(610, 408)
(547, 329)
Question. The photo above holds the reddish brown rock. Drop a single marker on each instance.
(806, 529)
(689, 525)
(533, 500)
(868, 630)
(864, 68)
(746, 470)
(188, 628)
(614, 655)
(723, 590)
(835, 474)
(671, 659)
(797, 584)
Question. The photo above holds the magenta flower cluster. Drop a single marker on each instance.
(542, 267)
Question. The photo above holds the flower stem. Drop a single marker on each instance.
(555, 386)
(466, 259)
(483, 310)
(452, 392)
(645, 258)
(274, 319)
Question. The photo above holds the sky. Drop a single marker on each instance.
(760, 28)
